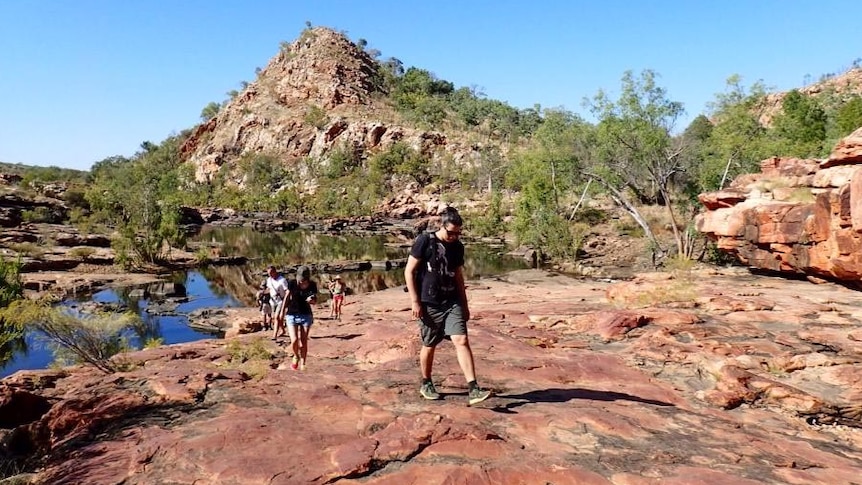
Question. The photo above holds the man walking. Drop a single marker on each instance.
(277, 286)
(435, 281)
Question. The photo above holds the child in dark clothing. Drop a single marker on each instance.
(265, 306)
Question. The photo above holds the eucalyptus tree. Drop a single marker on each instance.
(141, 197)
(543, 173)
(848, 118)
(738, 140)
(210, 111)
(800, 128)
(636, 159)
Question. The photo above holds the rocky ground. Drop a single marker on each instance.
(706, 377)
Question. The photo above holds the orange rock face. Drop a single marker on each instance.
(795, 216)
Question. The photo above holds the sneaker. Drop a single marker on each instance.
(477, 395)
(294, 364)
(428, 392)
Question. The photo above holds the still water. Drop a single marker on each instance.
(231, 286)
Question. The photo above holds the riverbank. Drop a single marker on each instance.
(713, 376)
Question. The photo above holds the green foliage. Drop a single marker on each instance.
(342, 161)
(39, 214)
(849, 117)
(28, 249)
(210, 111)
(153, 343)
(635, 150)
(140, 196)
(91, 339)
(76, 198)
(737, 141)
(344, 197)
(11, 286)
(800, 128)
(490, 222)
(33, 176)
(316, 116)
(240, 352)
(82, 252)
(536, 224)
(263, 175)
(715, 256)
(399, 159)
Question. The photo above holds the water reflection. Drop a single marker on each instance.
(289, 249)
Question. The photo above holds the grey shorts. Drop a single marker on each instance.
(441, 321)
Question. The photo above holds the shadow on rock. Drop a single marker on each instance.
(565, 395)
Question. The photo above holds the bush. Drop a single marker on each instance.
(39, 214)
(252, 357)
(27, 249)
(11, 287)
(91, 339)
(316, 117)
(82, 252)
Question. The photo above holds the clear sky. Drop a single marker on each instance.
(82, 80)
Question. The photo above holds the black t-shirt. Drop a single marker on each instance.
(439, 260)
(298, 304)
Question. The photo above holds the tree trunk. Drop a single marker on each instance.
(620, 199)
(581, 200)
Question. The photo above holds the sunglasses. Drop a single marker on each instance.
(452, 233)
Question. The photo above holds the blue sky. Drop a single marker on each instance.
(84, 80)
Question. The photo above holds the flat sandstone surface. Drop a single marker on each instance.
(704, 378)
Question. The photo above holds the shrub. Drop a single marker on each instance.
(38, 214)
(27, 249)
(92, 339)
(82, 252)
(11, 287)
(316, 117)
(252, 357)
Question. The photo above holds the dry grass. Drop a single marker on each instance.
(252, 357)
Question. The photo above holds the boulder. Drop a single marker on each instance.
(796, 216)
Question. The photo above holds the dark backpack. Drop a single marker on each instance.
(431, 270)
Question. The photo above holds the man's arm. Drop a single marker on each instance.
(410, 280)
(461, 288)
(283, 288)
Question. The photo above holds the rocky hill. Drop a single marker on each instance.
(843, 86)
(318, 93)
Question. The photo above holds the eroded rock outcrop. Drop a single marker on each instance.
(795, 216)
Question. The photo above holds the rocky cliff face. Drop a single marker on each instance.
(316, 94)
(795, 216)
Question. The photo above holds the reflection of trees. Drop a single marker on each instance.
(288, 249)
(147, 328)
(11, 342)
(240, 282)
(296, 247)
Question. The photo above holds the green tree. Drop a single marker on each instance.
(544, 173)
(738, 141)
(141, 197)
(636, 153)
(210, 111)
(800, 128)
(263, 175)
(11, 289)
(848, 118)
